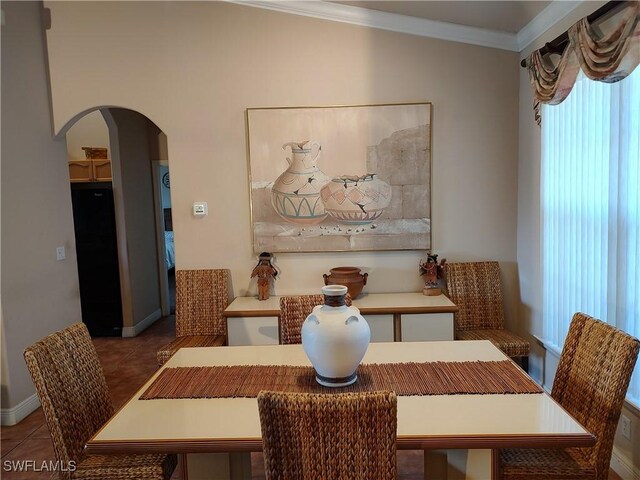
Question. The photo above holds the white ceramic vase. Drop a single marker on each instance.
(335, 338)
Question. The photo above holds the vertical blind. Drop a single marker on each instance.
(590, 185)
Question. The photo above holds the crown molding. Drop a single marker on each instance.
(555, 12)
(390, 21)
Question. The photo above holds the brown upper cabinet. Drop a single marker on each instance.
(94, 170)
(96, 167)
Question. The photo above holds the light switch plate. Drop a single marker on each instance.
(60, 253)
(200, 209)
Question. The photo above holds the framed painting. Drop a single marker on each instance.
(346, 178)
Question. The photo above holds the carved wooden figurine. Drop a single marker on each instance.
(433, 274)
(265, 272)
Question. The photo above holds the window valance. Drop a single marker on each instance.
(609, 58)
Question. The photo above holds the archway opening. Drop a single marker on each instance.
(120, 188)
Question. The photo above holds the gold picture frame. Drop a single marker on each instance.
(340, 178)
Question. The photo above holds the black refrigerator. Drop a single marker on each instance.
(97, 250)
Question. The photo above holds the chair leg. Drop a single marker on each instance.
(435, 465)
(495, 458)
(183, 466)
(524, 363)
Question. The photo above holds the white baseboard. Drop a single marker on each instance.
(142, 325)
(623, 466)
(11, 416)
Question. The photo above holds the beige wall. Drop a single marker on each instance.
(136, 191)
(89, 131)
(193, 69)
(39, 294)
(542, 364)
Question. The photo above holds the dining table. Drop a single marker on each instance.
(230, 425)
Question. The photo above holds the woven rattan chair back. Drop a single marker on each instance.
(201, 297)
(72, 389)
(293, 312)
(591, 381)
(337, 436)
(476, 288)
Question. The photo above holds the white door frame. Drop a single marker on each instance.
(159, 217)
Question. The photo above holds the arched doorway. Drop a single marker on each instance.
(122, 218)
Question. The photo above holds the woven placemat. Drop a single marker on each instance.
(432, 378)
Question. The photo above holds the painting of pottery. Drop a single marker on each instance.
(347, 178)
(295, 195)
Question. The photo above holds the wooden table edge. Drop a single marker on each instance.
(407, 310)
(403, 443)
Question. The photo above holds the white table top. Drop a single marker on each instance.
(439, 421)
(368, 303)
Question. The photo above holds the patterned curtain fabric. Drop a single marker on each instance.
(608, 59)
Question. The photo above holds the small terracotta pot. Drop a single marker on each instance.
(350, 277)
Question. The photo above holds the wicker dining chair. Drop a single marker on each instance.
(591, 382)
(201, 298)
(476, 288)
(336, 436)
(294, 310)
(75, 401)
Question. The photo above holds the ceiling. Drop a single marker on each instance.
(505, 16)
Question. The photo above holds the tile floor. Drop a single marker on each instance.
(128, 363)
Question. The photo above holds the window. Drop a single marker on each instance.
(591, 209)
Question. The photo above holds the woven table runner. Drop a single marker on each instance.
(432, 378)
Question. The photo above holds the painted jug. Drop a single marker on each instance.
(356, 199)
(335, 338)
(295, 194)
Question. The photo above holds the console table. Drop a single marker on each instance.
(393, 317)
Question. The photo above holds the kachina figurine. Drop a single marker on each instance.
(265, 272)
(433, 274)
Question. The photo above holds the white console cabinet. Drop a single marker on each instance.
(391, 316)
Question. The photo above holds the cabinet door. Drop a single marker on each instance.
(381, 327)
(252, 331)
(422, 327)
(80, 171)
(101, 170)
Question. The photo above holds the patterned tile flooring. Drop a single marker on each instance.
(128, 363)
